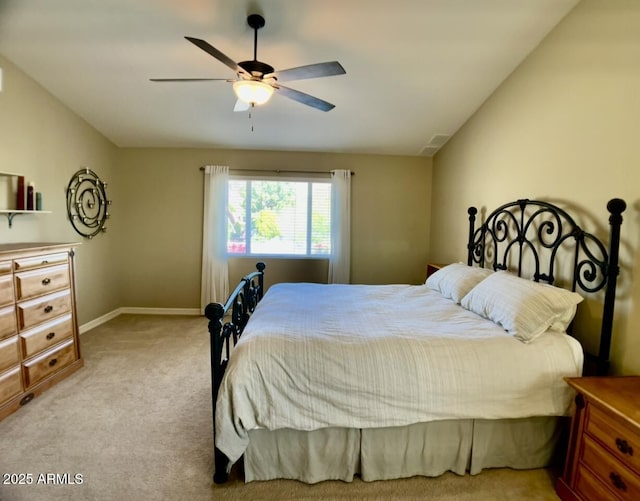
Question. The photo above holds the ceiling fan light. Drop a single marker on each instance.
(253, 91)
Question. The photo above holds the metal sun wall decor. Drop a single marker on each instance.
(87, 203)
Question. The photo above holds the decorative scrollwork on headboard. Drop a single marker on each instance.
(528, 236)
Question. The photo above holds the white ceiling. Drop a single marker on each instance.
(415, 68)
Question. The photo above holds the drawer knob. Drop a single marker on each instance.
(617, 481)
(54, 361)
(48, 309)
(46, 281)
(51, 335)
(624, 447)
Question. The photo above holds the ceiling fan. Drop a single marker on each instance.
(256, 81)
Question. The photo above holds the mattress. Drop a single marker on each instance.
(356, 356)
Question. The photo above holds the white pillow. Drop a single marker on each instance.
(522, 307)
(454, 281)
(562, 324)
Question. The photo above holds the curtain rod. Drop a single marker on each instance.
(284, 171)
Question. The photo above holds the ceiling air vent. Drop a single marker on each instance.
(438, 140)
(434, 144)
(429, 151)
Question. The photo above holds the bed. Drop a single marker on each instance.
(464, 372)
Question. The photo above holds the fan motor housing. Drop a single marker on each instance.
(256, 68)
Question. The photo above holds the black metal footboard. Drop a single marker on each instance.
(226, 323)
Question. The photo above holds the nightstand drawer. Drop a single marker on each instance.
(10, 384)
(28, 263)
(36, 311)
(7, 321)
(46, 335)
(37, 282)
(590, 488)
(623, 442)
(49, 362)
(9, 354)
(610, 471)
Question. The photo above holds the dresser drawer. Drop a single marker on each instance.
(10, 384)
(29, 263)
(46, 335)
(36, 311)
(6, 289)
(5, 267)
(622, 441)
(49, 362)
(8, 321)
(9, 354)
(609, 470)
(37, 282)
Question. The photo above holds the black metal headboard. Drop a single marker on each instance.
(528, 236)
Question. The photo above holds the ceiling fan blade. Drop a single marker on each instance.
(241, 106)
(318, 70)
(189, 79)
(303, 98)
(209, 49)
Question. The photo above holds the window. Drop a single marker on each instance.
(286, 218)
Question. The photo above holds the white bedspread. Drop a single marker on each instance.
(358, 356)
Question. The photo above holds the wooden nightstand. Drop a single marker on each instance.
(603, 460)
(432, 268)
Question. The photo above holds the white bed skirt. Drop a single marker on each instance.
(426, 449)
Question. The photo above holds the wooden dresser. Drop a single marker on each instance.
(603, 460)
(38, 327)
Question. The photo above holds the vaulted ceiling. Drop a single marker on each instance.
(416, 70)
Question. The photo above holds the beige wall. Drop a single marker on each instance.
(563, 127)
(45, 141)
(151, 253)
(161, 204)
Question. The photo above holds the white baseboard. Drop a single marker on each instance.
(160, 311)
(136, 311)
(98, 321)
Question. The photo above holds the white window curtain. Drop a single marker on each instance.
(340, 262)
(215, 272)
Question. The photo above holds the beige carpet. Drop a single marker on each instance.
(135, 423)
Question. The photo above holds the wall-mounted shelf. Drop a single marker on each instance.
(11, 213)
(8, 189)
